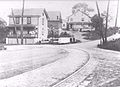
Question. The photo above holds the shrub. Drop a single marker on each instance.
(111, 45)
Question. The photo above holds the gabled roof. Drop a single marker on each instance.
(29, 12)
(53, 15)
(79, 11)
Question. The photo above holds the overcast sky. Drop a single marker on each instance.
(65, 6)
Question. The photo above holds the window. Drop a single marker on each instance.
(57, 17)
(42, 31)
(42, 14)
(71, 19)
(17, 20)
(28, 20)
(63, 25)
(42, 21)
(82, 19)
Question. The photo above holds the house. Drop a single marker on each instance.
(35, 26)
(79, 21)
(54, 23)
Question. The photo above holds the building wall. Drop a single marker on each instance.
(78, 17)
(25, 41)
(43, 28)
(34, 20)
(55, 24)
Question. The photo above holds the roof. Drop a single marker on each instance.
(79, 11)
(54, 15)
(29, 12)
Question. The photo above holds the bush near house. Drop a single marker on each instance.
(3, 30)
(92, 35)
(65, 34)
(2, 36)
(111, 45)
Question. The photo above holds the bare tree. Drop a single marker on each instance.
(117, 14)
(82, 7)
(100, 23)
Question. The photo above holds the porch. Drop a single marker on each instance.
(30, 34)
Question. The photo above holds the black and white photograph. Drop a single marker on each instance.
(59, 43)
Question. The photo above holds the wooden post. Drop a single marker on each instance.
(15, 26)
(22, 22)
(107, 21)
(117, 14)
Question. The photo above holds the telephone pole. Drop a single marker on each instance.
(15, 25)
(22, 21)
(117, 14)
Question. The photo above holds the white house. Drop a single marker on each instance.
(78, 20)
(35, 26)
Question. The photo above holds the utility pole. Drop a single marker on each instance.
(22, 21)
(117, 14)
(15, 26)
(107, 21)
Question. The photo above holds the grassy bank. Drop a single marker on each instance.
(111, 45)
(92, 35)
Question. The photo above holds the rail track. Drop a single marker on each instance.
(77, 77)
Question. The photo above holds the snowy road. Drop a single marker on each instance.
(69, 61)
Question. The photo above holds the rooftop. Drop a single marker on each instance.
(54, 15)
(29, 12)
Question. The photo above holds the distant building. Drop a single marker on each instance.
(54, 23)
(35, 24)
(79, 21)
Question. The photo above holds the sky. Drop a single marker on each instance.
(64, 6)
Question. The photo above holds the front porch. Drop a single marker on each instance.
(30, 34)
(77, 26)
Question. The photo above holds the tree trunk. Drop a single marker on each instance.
(100, 23)
(22, 22)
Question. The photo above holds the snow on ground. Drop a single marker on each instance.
(48, 74)
(54, 72)
(114, 37)
(17, 61)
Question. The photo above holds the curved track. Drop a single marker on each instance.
(59, 73)
(68, 80)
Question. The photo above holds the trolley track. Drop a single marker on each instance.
(73, 79)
